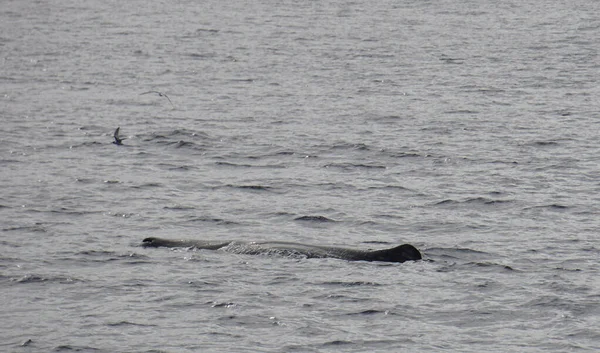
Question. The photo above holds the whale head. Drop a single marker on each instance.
(401, 253)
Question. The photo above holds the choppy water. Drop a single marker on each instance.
(467, 128)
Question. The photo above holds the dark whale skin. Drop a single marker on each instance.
(401, 253)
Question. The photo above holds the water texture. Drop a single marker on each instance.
(466, 128)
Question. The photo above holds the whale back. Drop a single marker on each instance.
(200, 244)
(401, 253)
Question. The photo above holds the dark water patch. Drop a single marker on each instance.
(121, 214)
(551, 207)
(88, 144)
(544, 143)
(568, 269)
(576, 308)
(389, 187)
(331, 186)
(503, 162)
(235, 165)
(351, 284)
(36, 228)
(128, 323)
(350, 166)
(201, 56)
(245, 80)
(187, 144)
(349, 146)
(244, 165)
(473, 201)
(365, 223)
(105, 256)
(368, 312)
(377, 242)
(71, 348)
(481, 267)
(454, 61)
(390, 119)
(207, 30)
(179, 208)
(85, 180)
(250, 187)
(250, 321)
(280, 214)
(147, 186)
(338, 343)
(8, 161)
(491, 266)
(405, 155)
(204, 219)
(180, 135)
(184, 168)
(65, 211)
(392, 345)
(315, 219)
(31, 278)
(462, 111)
(455, 254)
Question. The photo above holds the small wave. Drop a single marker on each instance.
(31, 228)
(351, 284)
(250, 187)
(207, 30)
(41, 279)
(70, 348)
(317, 219)
(181, 144)
(219, 221)
(354, 166)
(455, 254)
(237, 165)
(368, 312)
(338, 343)
(104, 256)
(128, 323)
(405, 155)
(461, 111)
(179, 208)
(545, 143)
(87, 144)
(389, 187)
(474, 200)
(201, 56)
(351, 146)
(148, 185)
(482, 267)
(244, 165)
(554, 206)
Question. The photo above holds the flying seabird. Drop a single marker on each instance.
(118, 141)
(160, 94)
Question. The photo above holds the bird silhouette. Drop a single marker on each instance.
(160, 94)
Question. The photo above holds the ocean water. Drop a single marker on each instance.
(466, 128)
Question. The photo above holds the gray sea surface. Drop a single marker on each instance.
(466, 128)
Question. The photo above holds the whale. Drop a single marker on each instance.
(400, 253)
(118, 140)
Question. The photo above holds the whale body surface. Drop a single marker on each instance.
(401, 253)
